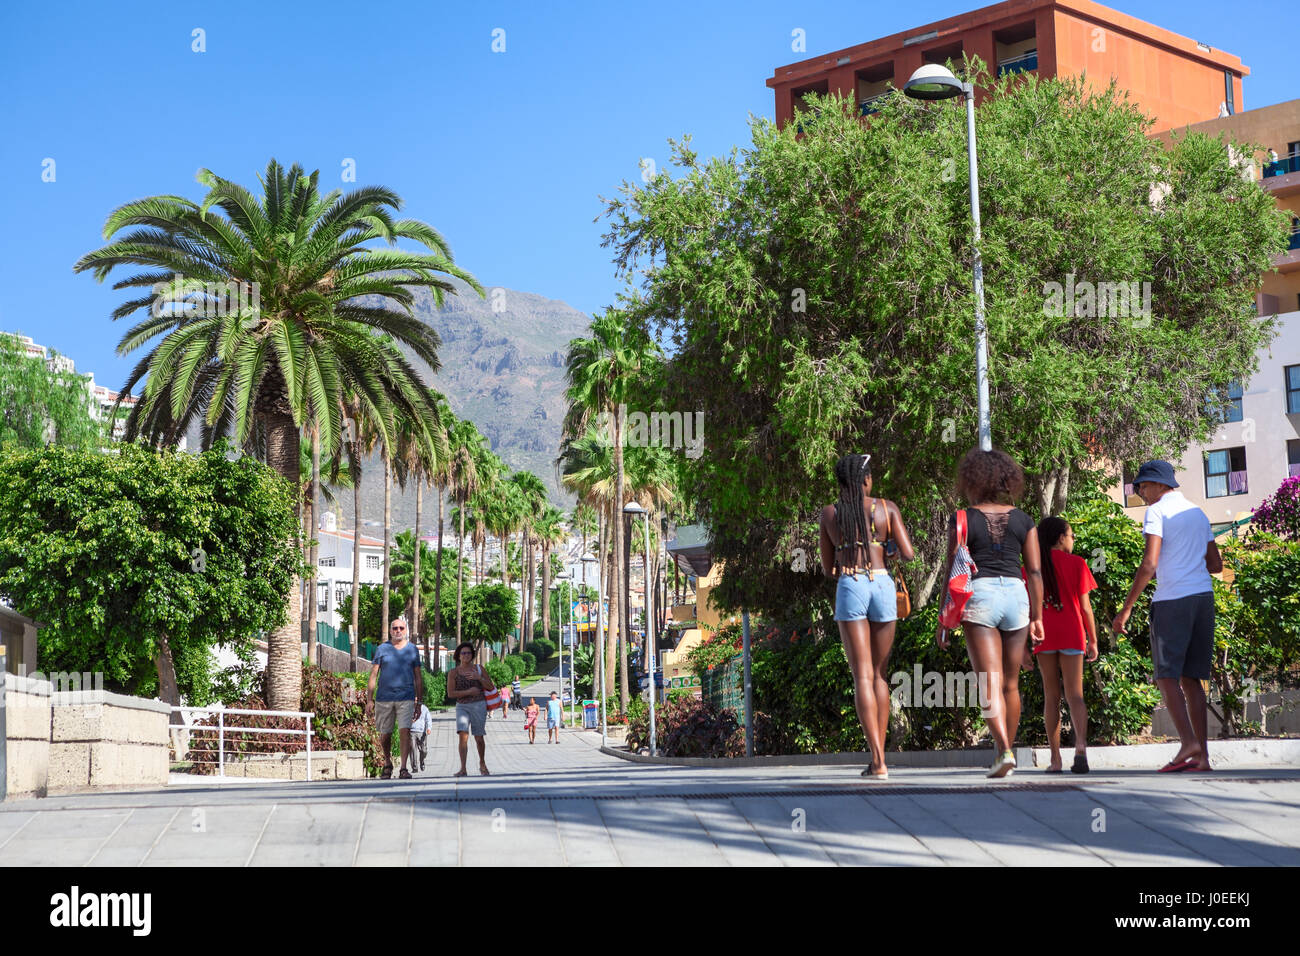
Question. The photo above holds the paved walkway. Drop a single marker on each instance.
(572, 805)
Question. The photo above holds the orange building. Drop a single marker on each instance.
(1174, 79)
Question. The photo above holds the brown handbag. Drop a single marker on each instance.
(904, 597)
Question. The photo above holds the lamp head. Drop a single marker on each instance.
(632, 508)
(933, 81)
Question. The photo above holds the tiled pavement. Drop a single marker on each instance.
(572, 805)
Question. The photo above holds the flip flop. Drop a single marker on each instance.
(1198, 769)
(460, 773)
(1177, 767)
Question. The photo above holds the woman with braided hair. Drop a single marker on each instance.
(857, 533)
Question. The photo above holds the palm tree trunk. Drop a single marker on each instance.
(619, 559)
(415, 576)
(353, 639)
(460, 574)
(532, 585)
(546, 597)
(437, 583)
(284, 645)
(610, 586)
(388, 529)
(313, 607)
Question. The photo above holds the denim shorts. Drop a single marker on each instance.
(998, 602)
(1067, 651)
(471, 718)
(858, 598)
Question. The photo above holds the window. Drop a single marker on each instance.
(1131, 500)
(1225, 472)
(372, 562)
(327, 562)
(1292, 373)
(1227, 95)
(323, 596)
(342, 591)
(1293, 458)
(1224, 405)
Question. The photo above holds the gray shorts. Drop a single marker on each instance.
(394, 713)
(471, 718)
(1182, 637)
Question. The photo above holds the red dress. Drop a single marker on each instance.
(1063, 630)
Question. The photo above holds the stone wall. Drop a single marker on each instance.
(104, 740)
(27, 730)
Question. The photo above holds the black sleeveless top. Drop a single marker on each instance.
(996, 541)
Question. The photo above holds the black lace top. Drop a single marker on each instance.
(996, 540)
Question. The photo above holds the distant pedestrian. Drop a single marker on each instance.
(421, 725)
(1180, 554)
(466, 683)
(858, 533)
(554, 715)
(396, 670)
(516, 692)
(1001, 611)
(505, 705)
(530, 719)
(1069, 631)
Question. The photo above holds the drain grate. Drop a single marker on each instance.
(873, 790)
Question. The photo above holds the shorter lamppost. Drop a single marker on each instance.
(632, 508)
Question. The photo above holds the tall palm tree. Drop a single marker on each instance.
(550, 532)
(464, 443)
(360, 440)
(602, 372)
(421, 447)
(441, 476)
(533, 500)
(268, 308)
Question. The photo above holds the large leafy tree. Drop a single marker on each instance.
(817, 288)
(267, 311)
(139, 563)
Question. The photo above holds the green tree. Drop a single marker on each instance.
(39, 405)
(270, 309)
(817, 287)
(490, 612)
(140, 563)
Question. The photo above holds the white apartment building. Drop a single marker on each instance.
(334, 574)
(1256, 448)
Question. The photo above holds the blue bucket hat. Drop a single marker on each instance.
(1155, 470)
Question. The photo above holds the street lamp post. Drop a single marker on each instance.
(936, 82)
(632, 508)
(600, 650)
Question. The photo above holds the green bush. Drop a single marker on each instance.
(516, 664)
(543, 649)
(435, 689)
(499, 671)
(530, 662)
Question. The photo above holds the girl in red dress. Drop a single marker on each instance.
(1070, 632)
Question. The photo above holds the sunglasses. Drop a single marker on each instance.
(399, 629)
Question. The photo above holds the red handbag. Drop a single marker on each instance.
(959, 578)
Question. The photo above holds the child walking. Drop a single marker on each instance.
(1070, 632)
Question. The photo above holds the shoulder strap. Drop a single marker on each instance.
(961, 527)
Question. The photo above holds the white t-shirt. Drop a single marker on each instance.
(422, 723)
(1184, 531)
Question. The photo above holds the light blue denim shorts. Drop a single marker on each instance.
(858, 598)
(1068, 652)
(998, 602)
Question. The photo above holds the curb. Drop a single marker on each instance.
(1224, 754)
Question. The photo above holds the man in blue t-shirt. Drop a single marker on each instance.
(396, 669)
(554, 717)
(1181, 555)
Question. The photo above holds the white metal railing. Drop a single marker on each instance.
(185, 731)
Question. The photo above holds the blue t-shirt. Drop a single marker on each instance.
(554, 709)
(396, 671)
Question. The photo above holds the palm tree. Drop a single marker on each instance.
(532, 495)
(550, 531)
(602, 372)
(272, 308)
(441, 476)
(464, 443)
(421, 447)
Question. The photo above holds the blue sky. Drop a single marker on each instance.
(505, 153)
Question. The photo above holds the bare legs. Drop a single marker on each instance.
(1067, 669)
(867, 646)
(996, 657)
(464, 752)
(1184, 699)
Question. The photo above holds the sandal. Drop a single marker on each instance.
(484, 772)
(404, 774)
(1177, 766)
(1080, 764)
(386, 773)
(460, 773)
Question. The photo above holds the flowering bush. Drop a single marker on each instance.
(1280, 511)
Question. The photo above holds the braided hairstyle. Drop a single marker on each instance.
(1051, 530)
(851, 515)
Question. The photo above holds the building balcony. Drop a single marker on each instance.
(1019, 64)
(1280, 167)
(872, 104)
(1289, 261)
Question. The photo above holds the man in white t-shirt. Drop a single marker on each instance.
(1181, 554)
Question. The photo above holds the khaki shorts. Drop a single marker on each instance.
(390, 712)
